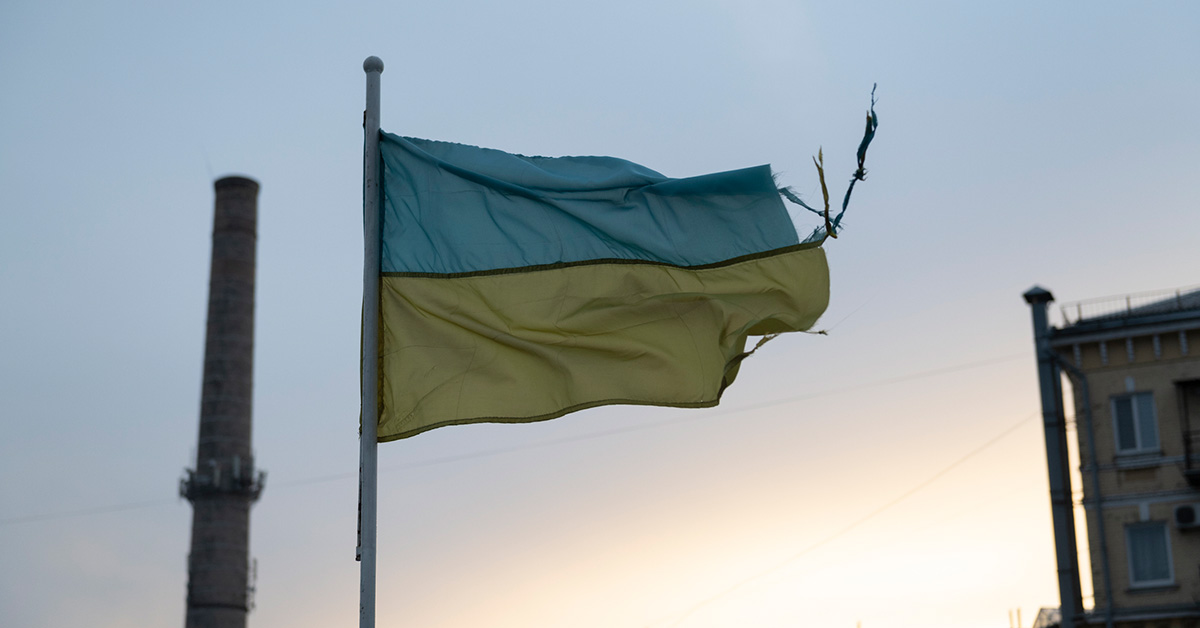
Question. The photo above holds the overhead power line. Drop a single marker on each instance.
(488, 453)
(858, 522)
(66, 514)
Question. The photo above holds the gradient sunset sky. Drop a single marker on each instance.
(892, 472)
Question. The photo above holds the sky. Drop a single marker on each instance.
(891, 472)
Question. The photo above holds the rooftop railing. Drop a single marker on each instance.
(1138, 304)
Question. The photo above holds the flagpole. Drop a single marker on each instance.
(368, 468)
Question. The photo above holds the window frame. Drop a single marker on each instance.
(1140, 448)
(1166, 533)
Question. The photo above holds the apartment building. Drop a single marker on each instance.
(1133, 363)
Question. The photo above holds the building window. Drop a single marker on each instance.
(1149, 554)
(1136, 427)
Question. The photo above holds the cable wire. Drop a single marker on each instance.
(547, 443)
(871, 515)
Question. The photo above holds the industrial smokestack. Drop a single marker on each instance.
(224, 483)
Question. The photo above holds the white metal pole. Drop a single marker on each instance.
(368, 468)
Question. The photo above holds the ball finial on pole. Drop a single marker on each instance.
(373, 64)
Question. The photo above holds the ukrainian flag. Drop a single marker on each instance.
(517, 289)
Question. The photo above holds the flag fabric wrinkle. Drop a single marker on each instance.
(517, 289)
(443, 216)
